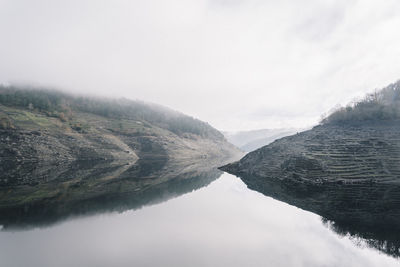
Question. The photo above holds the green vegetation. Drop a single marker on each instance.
(63, 106)
(381, 105)
(6, 124)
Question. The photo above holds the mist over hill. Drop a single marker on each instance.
(251, 140)
(62, 105)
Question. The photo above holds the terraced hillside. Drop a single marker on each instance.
(330, 153)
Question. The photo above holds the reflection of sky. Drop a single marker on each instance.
(224, 224)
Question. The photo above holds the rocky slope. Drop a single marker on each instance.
(344, 154)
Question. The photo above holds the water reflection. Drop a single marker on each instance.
(88, 187)
(222, 224)
(369, 213)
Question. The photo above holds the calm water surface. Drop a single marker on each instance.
(222, 224)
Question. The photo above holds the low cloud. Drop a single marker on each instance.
(220, 61)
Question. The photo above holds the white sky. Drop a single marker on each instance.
(236, 64)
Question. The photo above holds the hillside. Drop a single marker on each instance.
(347, 169)
(50, 130)
(359, 143)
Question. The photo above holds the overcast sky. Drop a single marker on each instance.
(236, 64)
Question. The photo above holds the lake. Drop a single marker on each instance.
(216, 223)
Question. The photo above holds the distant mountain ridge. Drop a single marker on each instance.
(251, 140)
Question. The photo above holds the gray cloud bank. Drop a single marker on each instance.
(236, 64)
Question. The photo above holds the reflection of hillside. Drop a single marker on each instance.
(367, 211)
(383, 238)
(98, 187)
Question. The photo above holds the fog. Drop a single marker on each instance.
(236, 64)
